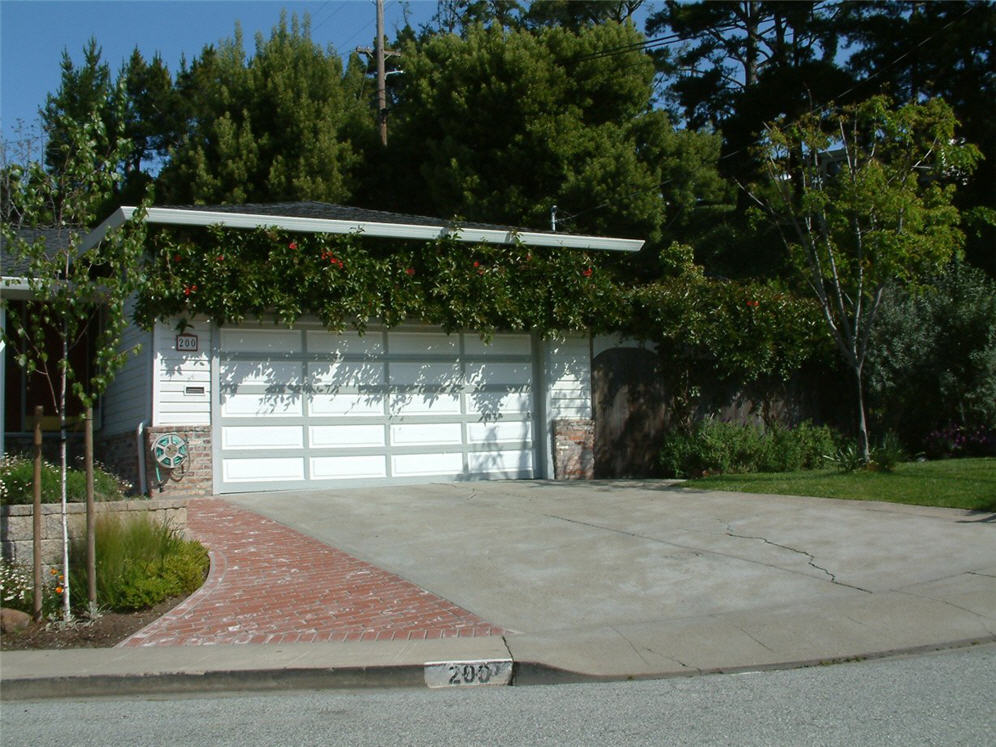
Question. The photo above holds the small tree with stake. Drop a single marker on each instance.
(76, 284)
(863, 197)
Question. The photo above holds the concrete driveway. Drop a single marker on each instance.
(637, 577)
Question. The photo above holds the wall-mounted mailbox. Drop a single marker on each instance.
(193, 390)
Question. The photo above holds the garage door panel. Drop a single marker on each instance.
(346, 343)
(270, 341)
(262, 437)
(434, 375)
(409, 434)
(263, 404)
(339, 436)
(422, 343)
(504, 432)
(500, 344)
(412, 403)
(257, 373)
(513, 463)
(499, 374)
(491, 405)
(263, 469)
(343, 374)
(347, 467)
(411, 465)
(340, 405)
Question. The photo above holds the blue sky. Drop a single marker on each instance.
(33, 34)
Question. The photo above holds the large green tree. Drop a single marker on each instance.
(863, 197)
(918, 50)
(289, 122)
(501, 125)
(730, 67)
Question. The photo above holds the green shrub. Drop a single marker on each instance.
(139, 564)
(932, 357)
(848, 457)
(888, 453)
(717, 447)
(17, 478)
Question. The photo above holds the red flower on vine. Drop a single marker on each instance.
(587, 273)
(409, 271)
(188, 289)
(220, 257)
(753, 304)
(331, 258)
(476, 263)
(176, 257)
(292, 245)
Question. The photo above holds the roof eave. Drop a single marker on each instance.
(204, 218)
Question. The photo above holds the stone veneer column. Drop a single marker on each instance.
(196, 477)
(574, 449)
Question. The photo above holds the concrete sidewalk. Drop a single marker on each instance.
(570, 580)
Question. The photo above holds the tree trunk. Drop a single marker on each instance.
(91, 519)
(37, 518)
(862, 421)
(67, 614)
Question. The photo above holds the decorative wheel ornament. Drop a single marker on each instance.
(169, 450)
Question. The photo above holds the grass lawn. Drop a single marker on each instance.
(951, 483)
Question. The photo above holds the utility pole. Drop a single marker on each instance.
(381, 75)
(380, 54)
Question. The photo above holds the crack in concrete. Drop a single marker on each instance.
(980, 573)
(658, 653)
(631, 645)
(810, 556)
(676, 660)
(504, 642)
(757, 641)
(699, 552)
(949, 604)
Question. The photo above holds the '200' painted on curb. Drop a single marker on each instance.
(467, 674)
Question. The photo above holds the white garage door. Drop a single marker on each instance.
(306, 408)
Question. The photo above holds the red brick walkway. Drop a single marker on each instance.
(270, 584)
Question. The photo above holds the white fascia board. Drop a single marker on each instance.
(181, 217)
(15, 288)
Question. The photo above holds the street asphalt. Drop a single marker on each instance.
(596, 580)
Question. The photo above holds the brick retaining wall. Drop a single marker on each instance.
(16, 524)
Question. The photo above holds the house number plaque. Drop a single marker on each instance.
(186, 343)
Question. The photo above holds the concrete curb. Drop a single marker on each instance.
(525, 673)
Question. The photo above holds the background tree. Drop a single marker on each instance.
(932, 358)
(288, 123)
(500, 126)
(77, 287)
(731, 67)
(917, 50)
(860, 196)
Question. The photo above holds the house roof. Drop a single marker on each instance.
(15, 270)
(320, 217)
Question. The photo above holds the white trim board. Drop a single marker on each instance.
(189, 217)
